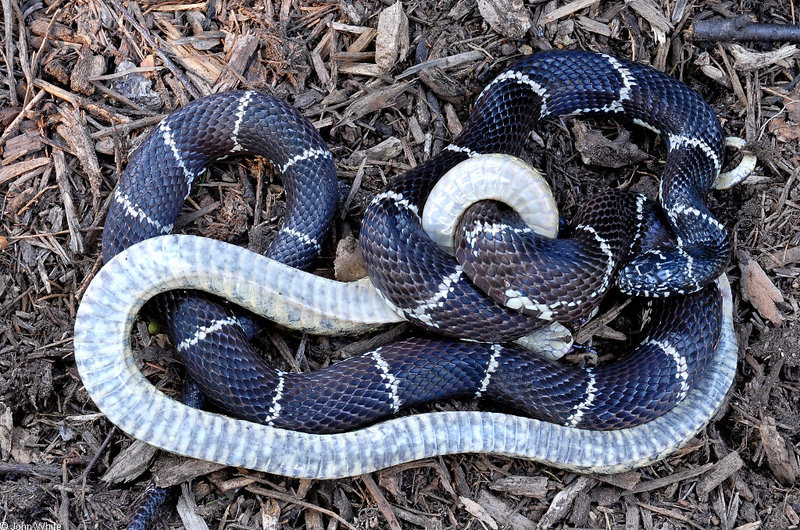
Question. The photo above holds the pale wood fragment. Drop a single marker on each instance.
(758, 289)
(510, 18)
(130, 463)
(62, 178)
(562, 502)
(565, 11)
(524, 486)
(241, 55)
(392, 39)
(20, 168)
(479, 512)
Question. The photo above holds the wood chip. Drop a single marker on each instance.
(506, 514)
(21, 145)
(86, 67)
(392, 40)
(20, 168)
(594, 26)
(367, 69)
(596, 149)
(348, 265)
(57, 31)
(759, 290)
(386, 150)
(6, 428)
(173, 470)
(562, 502)
(450, 61)
(565, 11)
(509, 18)
(363, 40)
(781, 458)
(187, 510)
(719, 473)
(626, 480)
(524, 486)
(271, 516)
(62, 178)
(658, 483)
(241, 55)
(654, 16)
(479, 512)
(130, 463)
(746, 60)
(383, 505)
(783, 258)
(378, 100)
(669, 513)
(75, 131)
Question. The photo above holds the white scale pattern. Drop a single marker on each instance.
(492, 365)
(677, 141)
(516, 300)
(628, 82)
(682, 209)
(137, 213)
(640, 200)
(458, 149)
(388, 378)
(244, 102)
(317, 152)
(275, 407)
(398, 198)
(445, 287)
(170, 142)
(521, 78)
(578, 413)
(204, 331)
(679, 360)
(300, 236)
(610, 261)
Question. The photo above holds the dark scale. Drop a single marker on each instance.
(411, 271)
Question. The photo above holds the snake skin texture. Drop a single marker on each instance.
(109, 369)
(433, 292)
(651, 379)
(428, 286)
(575, 270)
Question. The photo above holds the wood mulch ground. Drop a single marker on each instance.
(388, 86)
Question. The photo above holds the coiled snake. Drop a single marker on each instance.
(651, 401)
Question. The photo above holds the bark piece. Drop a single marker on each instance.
(392, 41)
(86, 67)
(717, 474)
(535, 487)
(507, 17)
(130, 463)
(348, 265)
(759, 290)
(780, 458)
(596, 149)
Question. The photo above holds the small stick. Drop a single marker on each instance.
(8, 19)
(743, 29)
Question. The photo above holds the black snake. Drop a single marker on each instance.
(690, 332)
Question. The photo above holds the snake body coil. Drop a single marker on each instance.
(682, 361)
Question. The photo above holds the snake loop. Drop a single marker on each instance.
(652, 400)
